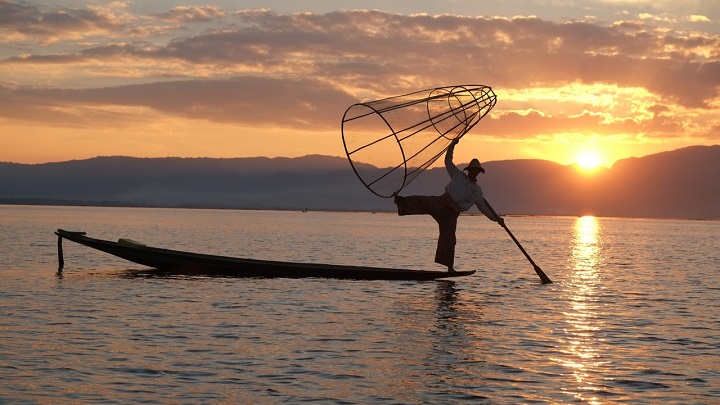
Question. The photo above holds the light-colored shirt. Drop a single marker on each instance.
(464, 192)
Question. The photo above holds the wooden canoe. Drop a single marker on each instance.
(178, 262)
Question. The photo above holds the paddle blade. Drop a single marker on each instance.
(543, 277)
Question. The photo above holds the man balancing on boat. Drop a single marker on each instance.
(461, 193)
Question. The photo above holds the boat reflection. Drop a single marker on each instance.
(581, 344)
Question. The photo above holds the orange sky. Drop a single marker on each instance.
(615, 78)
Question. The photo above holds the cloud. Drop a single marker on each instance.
(181, 14)
(246, 101)
(23, 21)
(371, 49)
(698, 18)
(525, 125)
(257, 67)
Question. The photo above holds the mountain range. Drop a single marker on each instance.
(684, 183)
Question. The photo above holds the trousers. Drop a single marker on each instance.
(445, 211)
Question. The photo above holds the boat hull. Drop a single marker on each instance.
(179, 262)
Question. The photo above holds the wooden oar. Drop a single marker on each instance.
(543, 277)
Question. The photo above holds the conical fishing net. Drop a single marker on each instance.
(389, 142)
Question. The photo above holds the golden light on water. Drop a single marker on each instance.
(582, 317)
(586, 245)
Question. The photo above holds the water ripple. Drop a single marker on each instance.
(626, 320)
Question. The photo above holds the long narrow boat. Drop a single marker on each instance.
(178, 262)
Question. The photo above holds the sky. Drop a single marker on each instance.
(603, 79)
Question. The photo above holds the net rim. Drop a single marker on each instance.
(482, 96)
(394, 135)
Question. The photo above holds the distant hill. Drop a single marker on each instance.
(677, 184)
(683, 183)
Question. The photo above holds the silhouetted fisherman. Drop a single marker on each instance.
(461, 193)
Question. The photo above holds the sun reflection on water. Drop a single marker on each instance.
(584, 320)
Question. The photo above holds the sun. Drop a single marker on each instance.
(588, 160)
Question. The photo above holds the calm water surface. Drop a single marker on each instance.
(633, 315)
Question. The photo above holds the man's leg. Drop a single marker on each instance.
(419, 204)
(446, 217)
(445, 253)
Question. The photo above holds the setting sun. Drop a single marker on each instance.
(588, 160)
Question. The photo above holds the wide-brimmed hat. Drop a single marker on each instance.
(475, 164)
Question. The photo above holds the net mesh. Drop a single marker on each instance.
(389, 142)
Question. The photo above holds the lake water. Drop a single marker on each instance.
(633, 314)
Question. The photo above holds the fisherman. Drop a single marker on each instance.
(461, 193)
